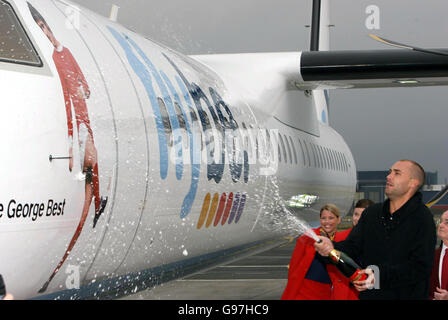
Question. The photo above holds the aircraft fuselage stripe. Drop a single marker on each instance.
(234, 207)
(212, 211)
(222, 203)
(219, 209)
(228, 207)
(204, 211)
(241, 207)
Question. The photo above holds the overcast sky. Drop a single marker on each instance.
(380, 125)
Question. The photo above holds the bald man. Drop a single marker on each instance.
(396, 238)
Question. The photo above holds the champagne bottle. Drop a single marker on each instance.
(347, 266)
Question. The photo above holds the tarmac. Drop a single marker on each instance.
(259, 277)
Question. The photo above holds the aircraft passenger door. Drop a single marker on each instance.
(122, 147)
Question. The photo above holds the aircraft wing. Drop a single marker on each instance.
(372, 69)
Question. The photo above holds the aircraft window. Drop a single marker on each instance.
(324, 161)
(283, 148)
(345, 163)
(15, 46)
(339, 161)
(257, 149)
(252, 140)
(196, 128)
(269, 151)
(316, 159)
(180, 117)
(166, 121)
(307, 153)
(279, 151)
(246, 142)
(303, 153)
(342, 161)
(332, 159)
(311, 154)
(267, 143)
(322, 157)
(327, 159)
(336, 154)
(293, 149)
(313, 151)
(182, 124)
(289, 149)
(279, 154)
(318, 156)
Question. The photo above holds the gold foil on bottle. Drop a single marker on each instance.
(335, 255)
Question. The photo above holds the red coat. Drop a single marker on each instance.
(300, 262)
(342, 235)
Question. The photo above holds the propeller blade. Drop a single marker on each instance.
(405, 46)
(437, 197)
(389, 42)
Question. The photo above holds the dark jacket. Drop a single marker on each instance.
(402, 248)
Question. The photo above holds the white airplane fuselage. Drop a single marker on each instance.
(195, 156)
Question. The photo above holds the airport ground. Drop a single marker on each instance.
(259, 277)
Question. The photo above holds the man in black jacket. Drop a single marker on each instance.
(396, 237)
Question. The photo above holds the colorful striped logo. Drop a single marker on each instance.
(221, 210)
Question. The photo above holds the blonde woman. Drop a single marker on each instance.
(310, 277)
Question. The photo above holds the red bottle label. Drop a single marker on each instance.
(357, 276)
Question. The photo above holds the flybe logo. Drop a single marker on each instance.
(221, 209)
(224, 141)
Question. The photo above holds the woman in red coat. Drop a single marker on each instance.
(310, 277)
